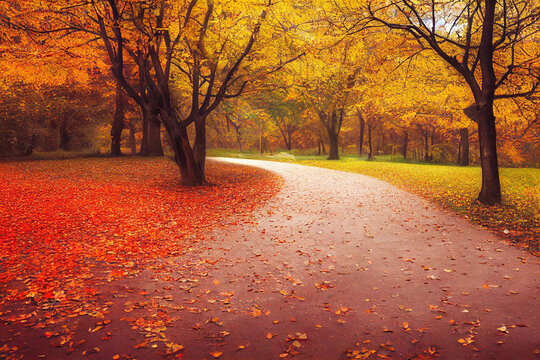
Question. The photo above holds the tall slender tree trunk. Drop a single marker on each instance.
(490, 193)
(432, 144)
(362, 129)
(118, 122)
(463, 158)
(370, 141)
(289, 136)
(405, 144)
(425, 138)
(482, 111)
(261, 142)
(131, 140)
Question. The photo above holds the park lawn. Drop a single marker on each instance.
(453, 187)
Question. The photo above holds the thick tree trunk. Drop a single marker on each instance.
(154, 147)
(190, 172)
(334, 146)
(118, 122)
(405, 144)
(199, 147)
(333, 127)
(151, 141)
(463, 159)
(490, 193)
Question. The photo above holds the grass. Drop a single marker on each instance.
(453, 187)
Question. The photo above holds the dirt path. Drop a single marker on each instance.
(338, 265)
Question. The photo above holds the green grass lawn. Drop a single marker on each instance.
(453, 187)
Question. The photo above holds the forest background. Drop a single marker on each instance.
(425, 81)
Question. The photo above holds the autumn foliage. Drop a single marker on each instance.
(62, 222)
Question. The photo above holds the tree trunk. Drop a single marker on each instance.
(490, 193)
(334, 146)
(118, 122)
(65, 136)
(426, 145)
(289, 142)
(370, 142)
(154, 147)
(405, 144)
(190, 172)
(131, 140)
(199, 147)
(432, 145)
(333, 126)
(151, 141)
(323, 147)
(239, 141)
(463, 159)
(362, 128)
(261, 142)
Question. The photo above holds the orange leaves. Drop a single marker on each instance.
(59, 217)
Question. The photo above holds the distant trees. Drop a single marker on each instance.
(318, 75)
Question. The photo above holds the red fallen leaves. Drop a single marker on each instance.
(60, 220)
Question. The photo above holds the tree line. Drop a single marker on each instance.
(423, 78)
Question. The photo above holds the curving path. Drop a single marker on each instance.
(336, 266)
(375, 265)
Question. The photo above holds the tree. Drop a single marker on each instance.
(484, 42)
